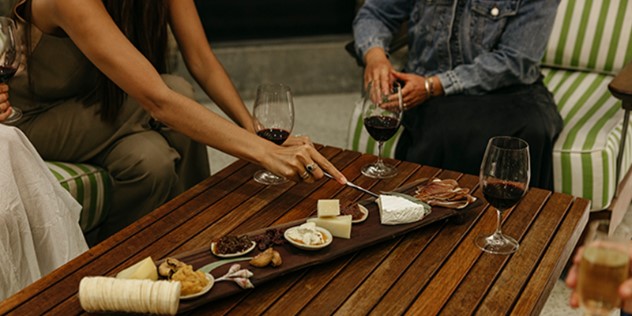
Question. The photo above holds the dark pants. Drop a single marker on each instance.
(451, 132)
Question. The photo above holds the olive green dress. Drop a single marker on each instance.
(148, 165)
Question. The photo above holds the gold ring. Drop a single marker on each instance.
(305, 175)
(311, 167)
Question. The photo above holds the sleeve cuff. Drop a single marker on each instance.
(450, 83)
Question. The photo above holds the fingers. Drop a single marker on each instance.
(298, 140)
(413, 89)
(4, 114)
(378, 70)
(571, 278)
(312, 164)
(322, 164)
(625, 290)
(574, 300)
(5, 106)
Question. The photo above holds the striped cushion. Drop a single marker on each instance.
(585, 153)
(89, 185)
(592, 35)
(360, 140)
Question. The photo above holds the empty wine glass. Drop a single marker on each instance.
(9, 58)
(274, 119)
(504, 177)
(382, 115)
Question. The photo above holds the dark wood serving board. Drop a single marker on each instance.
(363, 235)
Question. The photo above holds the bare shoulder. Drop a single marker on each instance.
(52, 16)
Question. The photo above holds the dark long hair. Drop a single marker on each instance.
(144, 23)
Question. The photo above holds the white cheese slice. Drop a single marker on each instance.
(144, 269)
(398, 210)
(339, 226)
(328, 208)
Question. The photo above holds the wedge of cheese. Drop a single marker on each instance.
(144, 269)
(396, 210)
(338, 226)
(328, 208)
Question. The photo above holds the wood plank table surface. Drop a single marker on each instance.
(435, 269)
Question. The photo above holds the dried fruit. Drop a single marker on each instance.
(269, 256)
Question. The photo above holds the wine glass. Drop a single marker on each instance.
(9, 58)
(382, 115)
(504, 177)
(603, 267)
(274, 119)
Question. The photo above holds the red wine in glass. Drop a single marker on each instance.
(504, 177)
(275, 135)
(273, 115)
(381, 127)
(382, 114)
(503, 195)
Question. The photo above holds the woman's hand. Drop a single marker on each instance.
(5, 106)
(301, 162)
(625, 289)
(414, 91)
(298, 140)
(378, 69)
(571, 278)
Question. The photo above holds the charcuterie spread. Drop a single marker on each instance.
(195, 278)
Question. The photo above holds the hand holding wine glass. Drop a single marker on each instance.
(9, 58)
(274, 119)
(382, 115)
(600, 267)
(504, 177)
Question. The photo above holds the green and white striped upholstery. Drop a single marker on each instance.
(591, 35)
(89, 185)
(585, 153)
(591, 40)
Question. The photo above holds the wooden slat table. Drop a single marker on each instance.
(433, 270)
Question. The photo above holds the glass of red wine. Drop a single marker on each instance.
(382, 115)
(504, 177)
(274, 119)
(9, 59)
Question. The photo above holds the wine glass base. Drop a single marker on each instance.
(379, 171)
(266, 177)
(497, 244)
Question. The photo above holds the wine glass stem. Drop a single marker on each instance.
(499, 217)
(379, 153)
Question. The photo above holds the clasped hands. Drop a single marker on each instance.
(379, 69)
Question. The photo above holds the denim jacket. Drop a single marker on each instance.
(474, 46)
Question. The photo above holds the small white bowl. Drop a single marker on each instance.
(365, 214)
(326, 235)
(232, 255)
(207, 288)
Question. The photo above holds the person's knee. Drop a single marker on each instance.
(178, 84)
(148, 165)
(156, 172)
